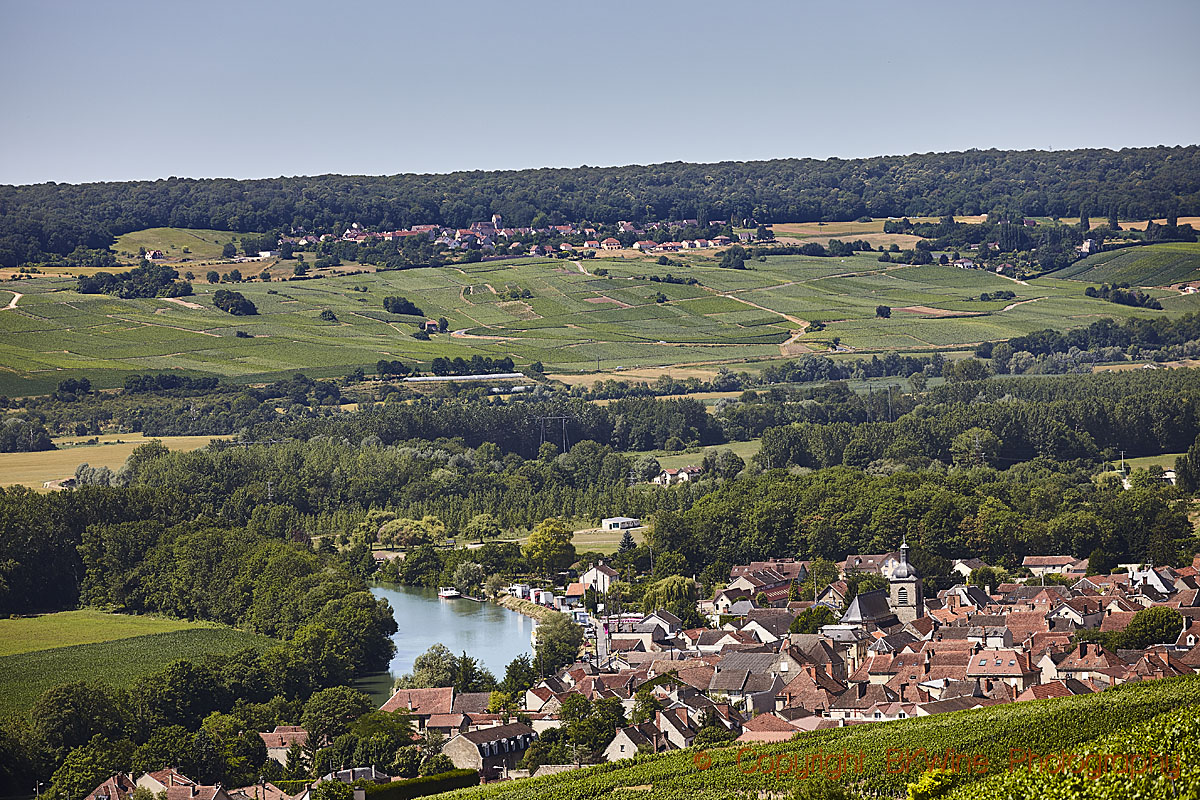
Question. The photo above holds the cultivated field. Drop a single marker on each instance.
(86, 626)
(120, 662)
(624, 323)
(1151, 265)
(34, 469)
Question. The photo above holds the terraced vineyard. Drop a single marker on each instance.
(1152, 715)
(557, 312)
(1152, 265)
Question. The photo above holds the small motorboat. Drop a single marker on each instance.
(448, 592)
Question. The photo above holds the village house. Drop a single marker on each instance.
(600, 577)
(492, 752)
(672, 476)
(1044, 565)
(117, 787)
(280, 740)
(421, 704)
(160, 780)
(610, 244)
(635, 739)
(1008, 666)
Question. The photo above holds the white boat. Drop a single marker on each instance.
(448, 592)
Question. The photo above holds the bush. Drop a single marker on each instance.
(233, 303)
(402, 305)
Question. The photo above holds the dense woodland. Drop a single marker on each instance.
(48, 221)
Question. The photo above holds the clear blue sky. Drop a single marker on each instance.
(131, 90)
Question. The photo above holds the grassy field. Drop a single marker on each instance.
(599, 541)
(201, 244)
(34, 469)
(1151, 265)
(121, 661)
(86, 626)
(574, 322)
(747, 451)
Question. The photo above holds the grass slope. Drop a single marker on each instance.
(575, 321)
(86, 626)
(201, 243)
(1151, 265)
(1043, 726)
(25, 676)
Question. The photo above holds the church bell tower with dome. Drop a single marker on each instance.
(907, 601)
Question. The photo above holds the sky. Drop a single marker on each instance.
(123, 90)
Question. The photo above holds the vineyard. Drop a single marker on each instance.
(603, 312)
(25, 676)
(1152, 265)
(1102, 770)
(867, 759)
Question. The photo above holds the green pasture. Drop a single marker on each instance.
(570, 321)
(1149, 265)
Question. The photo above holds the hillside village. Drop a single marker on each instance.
(492, 236)
(891, 653)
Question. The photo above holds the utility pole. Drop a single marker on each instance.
(1122, 462)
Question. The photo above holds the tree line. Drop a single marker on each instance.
(1039, 507)
(52, 221)
(1000, 423)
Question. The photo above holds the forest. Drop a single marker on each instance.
(76, 222)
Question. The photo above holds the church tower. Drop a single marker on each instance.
(907, 601)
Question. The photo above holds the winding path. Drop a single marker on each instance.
(12, 303)
(1011, 306)
(790, 346)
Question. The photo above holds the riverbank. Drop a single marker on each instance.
(524, 607)
(489, 632)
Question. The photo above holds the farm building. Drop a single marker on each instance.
(620, 523)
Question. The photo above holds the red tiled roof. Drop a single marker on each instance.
(282, 736)
(422, 702)
(1048, 561)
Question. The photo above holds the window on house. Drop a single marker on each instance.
(983, 662)
(902, 594)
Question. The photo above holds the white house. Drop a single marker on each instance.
(620, 523)
(599, 577)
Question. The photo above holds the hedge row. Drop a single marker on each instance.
(419, 787)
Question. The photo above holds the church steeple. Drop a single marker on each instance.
(906, 596)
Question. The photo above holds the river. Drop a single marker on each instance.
(487, 632)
